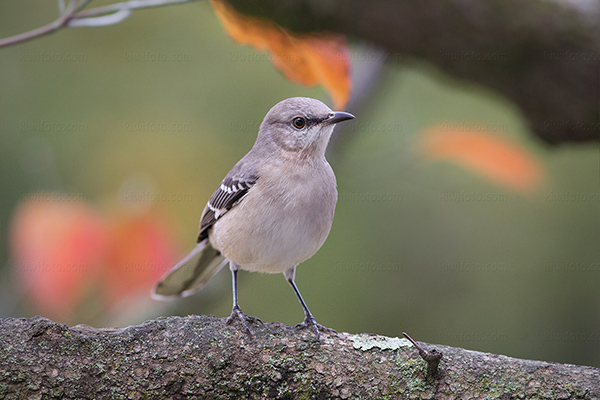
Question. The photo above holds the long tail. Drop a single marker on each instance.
(191, 273)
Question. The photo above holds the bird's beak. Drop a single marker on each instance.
(338, 116)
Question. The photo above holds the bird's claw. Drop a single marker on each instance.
(310, 322)
(236, 313)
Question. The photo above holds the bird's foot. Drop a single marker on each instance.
(236, 313)
(310, 322)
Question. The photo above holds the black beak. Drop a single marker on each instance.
(338, 116)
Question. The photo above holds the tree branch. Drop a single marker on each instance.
(128, 6)
(74, 16)
(542, 55)
(64, 18)
(201, 356)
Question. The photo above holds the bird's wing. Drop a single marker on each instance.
(203, 262)
(229, 193)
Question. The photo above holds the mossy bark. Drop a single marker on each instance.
(202, 357)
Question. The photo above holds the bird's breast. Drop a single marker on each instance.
(284, 219)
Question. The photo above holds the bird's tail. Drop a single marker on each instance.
(191, 273)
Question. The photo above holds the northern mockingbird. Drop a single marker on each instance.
(273, 210)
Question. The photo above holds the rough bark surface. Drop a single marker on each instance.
(202, 357)
(542, 55)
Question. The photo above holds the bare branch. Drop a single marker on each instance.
(128, 5)
(74, 16)
(67, 14)
(202, 357)
(105, 20)
(61, 6)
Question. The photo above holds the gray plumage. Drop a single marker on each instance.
(273, 210)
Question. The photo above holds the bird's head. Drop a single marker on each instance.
(300, 124)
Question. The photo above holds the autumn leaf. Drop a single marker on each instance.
(140, 252)
(66, 254)
(496, 158)
(57, 246)
(308, 59)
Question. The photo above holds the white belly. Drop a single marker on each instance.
(285, 229)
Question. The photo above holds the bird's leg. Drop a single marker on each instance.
(309, 320)
(236, 311)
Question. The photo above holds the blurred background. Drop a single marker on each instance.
(113, 138)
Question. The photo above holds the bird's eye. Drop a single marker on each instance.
(299, 122)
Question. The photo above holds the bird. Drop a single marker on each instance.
(271, 212)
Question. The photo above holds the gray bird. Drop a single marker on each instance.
(273, 210)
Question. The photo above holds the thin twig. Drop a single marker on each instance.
(127, 5)
(104, 20)
(432, 357)
(74, 16)
(61, 6)
(68, 13)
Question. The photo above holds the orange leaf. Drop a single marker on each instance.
(306, 59)
(140, 253)
(57, 245)
(496, 158)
